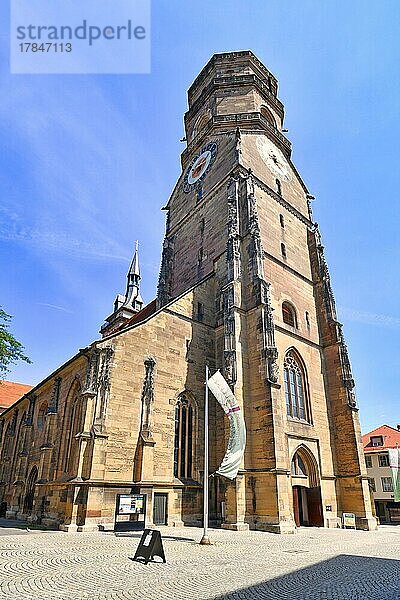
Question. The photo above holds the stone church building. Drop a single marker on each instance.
(244, 287)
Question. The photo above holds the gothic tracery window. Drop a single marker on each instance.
(7, 443)
(21, 436)
(183, 442)
(295, 388)
(30, 489)
(6, 453)
(298, 468)
(76, 422)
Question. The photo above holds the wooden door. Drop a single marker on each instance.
(314, 505)
(160, 509)
(296, 505)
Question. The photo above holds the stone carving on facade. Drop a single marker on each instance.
(230, 366)
(309, 206)
(147, 398)
(232, 274)
(256, 249)
(233, 244)
(336, 327)
(256, 253)
(347, 375)
(167, 223)
(229, 325)
(230, 372)
(238, 144)
(55, 397)
(91, 371)
(164, 280)
(325, 278)
(228, 301)
(270, 350)
(103, 383)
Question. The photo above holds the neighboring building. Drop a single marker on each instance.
(376, 445)
(10, 392)
(244, 287)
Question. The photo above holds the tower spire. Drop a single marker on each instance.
(125, 306)
(133, 298)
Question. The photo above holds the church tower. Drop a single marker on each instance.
(241, 216)
(244, 287)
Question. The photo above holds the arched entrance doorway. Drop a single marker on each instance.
(30, 490)
(307, 501)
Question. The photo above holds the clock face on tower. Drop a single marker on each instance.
(199, 167)
(273, 158)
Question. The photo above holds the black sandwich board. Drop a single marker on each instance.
(130, 512)
(150, 545)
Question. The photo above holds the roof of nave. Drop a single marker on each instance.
(37, 388)
(11, 391)
(390, 435)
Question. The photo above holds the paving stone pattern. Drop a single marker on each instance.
(313, 564)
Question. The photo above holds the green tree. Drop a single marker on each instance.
(11, 350)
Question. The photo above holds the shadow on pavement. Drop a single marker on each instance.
(139, 534)
(11, 524)
(344, 577)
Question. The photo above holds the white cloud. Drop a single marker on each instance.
(368, 318)
(61, 308)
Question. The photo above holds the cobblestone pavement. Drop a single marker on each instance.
(313, 564)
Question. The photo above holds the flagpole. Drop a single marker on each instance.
(205, 540)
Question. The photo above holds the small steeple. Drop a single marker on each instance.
(133, 299)
(126, 306)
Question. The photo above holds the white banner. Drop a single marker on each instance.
(237, 439)
(394, 462)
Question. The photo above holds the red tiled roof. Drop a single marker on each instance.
(390, 435)
(10, 392)
(143, 314)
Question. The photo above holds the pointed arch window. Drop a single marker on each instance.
(295, 388)
(298, 468)
(6, 455)
(183, 442)
(30, 489)
(7, 443)
(41, 418)
(21, 436)
(76, 422)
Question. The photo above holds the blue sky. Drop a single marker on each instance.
(87, 161)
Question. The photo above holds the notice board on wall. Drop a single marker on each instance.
(130, 512)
